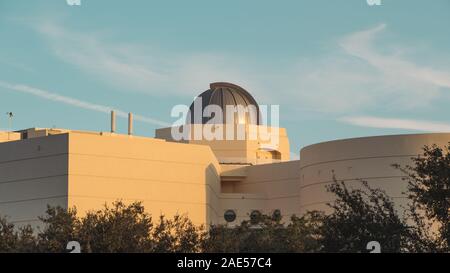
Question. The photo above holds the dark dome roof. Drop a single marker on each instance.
(223, 94)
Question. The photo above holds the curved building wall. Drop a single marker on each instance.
(351, 160)
(279, 182)
(265, 188)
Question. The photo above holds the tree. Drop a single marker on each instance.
(121, 228)
(188, 237)
(429, 191)
(359, 216)
(265, 234)
(303, 233)
(60, 227)
(26, 240)
(178, 235)
(8, 237)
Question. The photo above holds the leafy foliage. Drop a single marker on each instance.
(16, 240)
(429, 191)
(61, 226)
(266, 234)
(120, 228)
(359, 216)
(8, 237)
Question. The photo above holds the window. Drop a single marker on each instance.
(276, 215)
(269, 155)
(255, 217)
(229, 215)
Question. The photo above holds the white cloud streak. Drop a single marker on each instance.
(47, 95)
(395, 123)
(359, 75)
(365, 72)
(406, 81)
(114, 64)
(133, 68)
(361, 45)
(352, 78)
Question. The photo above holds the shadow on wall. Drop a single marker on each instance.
(212, 195)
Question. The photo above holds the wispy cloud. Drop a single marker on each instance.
(405, 82)
(353, 77)
(362, 45)
(47, 95)
(114, 64)
(359, 74)
(367, 71)
(136, 68)
(394, 123)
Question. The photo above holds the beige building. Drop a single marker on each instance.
(205, 179)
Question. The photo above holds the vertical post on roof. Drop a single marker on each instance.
(113, 121)
(130, 124)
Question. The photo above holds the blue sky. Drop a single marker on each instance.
(337, 68)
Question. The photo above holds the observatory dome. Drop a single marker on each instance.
(225, 94)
